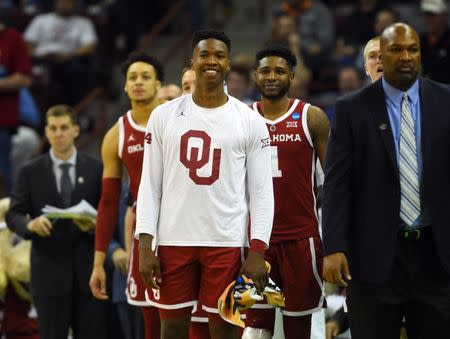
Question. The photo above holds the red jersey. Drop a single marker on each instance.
(131, 150)
(293, 166)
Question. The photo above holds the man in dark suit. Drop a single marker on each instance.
(385, 198)
(61, 253)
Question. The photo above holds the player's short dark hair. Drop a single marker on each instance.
(278, 51)
(241, 70)
(144, 57)
(203, 35)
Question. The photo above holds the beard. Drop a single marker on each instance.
(272, 95)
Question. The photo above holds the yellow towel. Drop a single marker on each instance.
(241, 295)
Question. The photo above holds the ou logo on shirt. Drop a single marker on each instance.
(194, 163)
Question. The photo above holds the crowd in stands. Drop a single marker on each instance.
(65, 51)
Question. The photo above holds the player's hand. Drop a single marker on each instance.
(120, 260)
(332, 329)
(335, 269)
(97, 283)
(41, 226)
(254, 267)
(149, 267)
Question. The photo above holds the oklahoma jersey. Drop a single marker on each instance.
(131, 151)
(293, 165)
(209, 168)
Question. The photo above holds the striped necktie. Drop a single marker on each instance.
(408, 166)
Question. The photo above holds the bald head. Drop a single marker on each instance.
(393, 30)
(400, 55)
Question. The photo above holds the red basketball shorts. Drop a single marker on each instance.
(194, 274)
(296, 269)
(136, 287)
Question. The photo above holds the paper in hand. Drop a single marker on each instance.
(83, 214)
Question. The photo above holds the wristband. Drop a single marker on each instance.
(257, 245)
(108, 210)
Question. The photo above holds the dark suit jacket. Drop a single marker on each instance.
(65, 258)
(361, 193)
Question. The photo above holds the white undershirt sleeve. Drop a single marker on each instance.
(259, 179)
(150, 187)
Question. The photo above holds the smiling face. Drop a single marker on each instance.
(273, 77)
(211, 63)
(141, 83)
(372, 60)
(400, 55)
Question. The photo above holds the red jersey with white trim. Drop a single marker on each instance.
(131, 150)
(293, 171)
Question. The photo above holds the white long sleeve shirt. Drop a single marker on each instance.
(203, 171)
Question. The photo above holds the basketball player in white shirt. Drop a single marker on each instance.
(207, 166)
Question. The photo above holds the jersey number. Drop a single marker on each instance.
(194, 163)
(276, 172)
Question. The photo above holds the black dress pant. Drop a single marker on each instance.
(85, 315)
(418, 291)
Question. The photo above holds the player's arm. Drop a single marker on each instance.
(319, 128)
(260, 187)
(149, 202)
(108, 209)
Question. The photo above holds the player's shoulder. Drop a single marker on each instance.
(255, 106)
(315, 110)
(171, 108)
(244, 110)
(113, 132)
(110, 141)
(239, 104)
